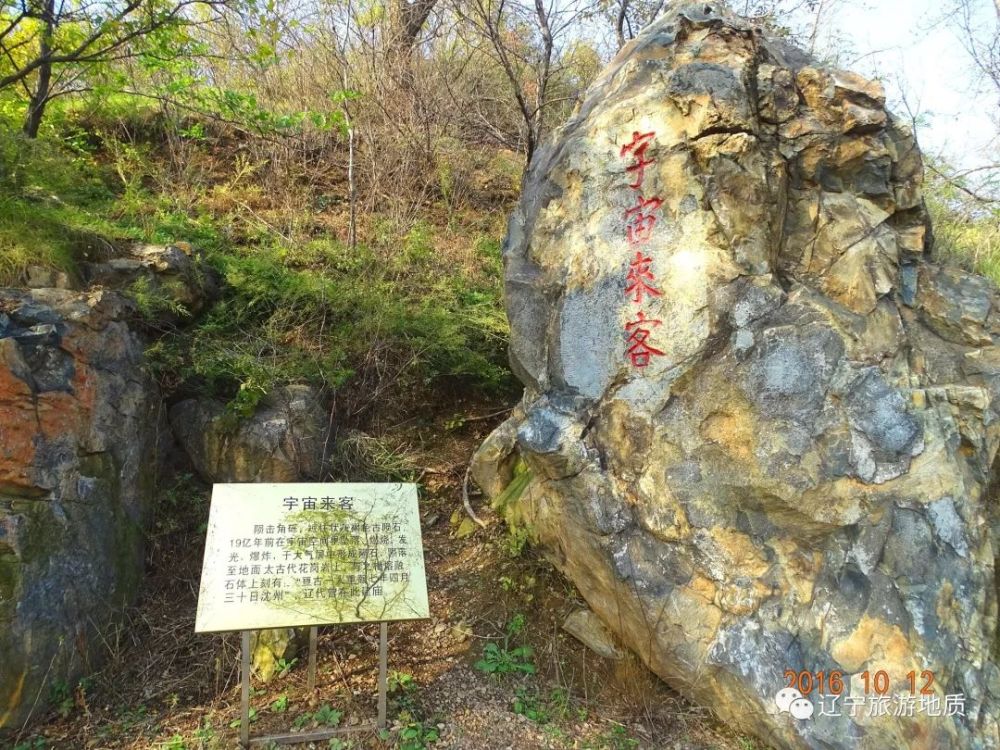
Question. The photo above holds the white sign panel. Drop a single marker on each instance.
(281, 555)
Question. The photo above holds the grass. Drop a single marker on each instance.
(969, 240)
(414, 306)
(966, 230)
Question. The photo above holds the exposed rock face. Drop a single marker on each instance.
(77, 437)
(40, 277)
(587, 628)
(766, 442)
(282, 441)
(172, 278)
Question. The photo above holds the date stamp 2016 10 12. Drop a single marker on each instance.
(829, 693)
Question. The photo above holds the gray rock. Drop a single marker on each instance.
(38, 277)
(171, 281)
(801, 476)
(77, 472)
(282, 441)
(585, 626)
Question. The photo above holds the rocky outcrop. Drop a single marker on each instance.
(78, 440)
(759, 426)
(282, 441)
(169, 282)
(40, 277)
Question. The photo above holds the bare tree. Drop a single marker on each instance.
(407, 18)
(630, 16)
(528, 41)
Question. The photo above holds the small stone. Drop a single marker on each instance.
(467, 527)
(590, 631)
(461, 632)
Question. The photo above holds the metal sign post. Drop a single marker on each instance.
(320, 734)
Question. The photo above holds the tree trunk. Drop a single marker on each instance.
(406, 21)
(40, 96)
(621, 20)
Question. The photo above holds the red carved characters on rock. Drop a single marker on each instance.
(637, 147)
(639, 279)
(639, 350)
(640, 220)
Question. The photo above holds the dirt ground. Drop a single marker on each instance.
(166, 687)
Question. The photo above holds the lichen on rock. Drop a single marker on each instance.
(799, 477)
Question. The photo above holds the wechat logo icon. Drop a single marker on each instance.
(790, 700)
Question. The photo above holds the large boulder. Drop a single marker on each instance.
(78, 440)
(759, 426)
(283, 440)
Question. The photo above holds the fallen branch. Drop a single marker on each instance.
(465, 499)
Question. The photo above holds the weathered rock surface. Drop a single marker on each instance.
(40, 277)
(282, 441)
(78, 434)
(269, 648)
(799, 477)
(587, 628)
(172, 279)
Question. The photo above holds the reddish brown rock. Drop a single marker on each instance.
(78, 446)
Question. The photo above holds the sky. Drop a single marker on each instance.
(906, 45)
(913, 48)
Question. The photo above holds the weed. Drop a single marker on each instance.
(402, 690)
(503, 659)
(236, 722)
(35, 743)
(61, 698)
(327, 717)
(498, 660)
(153, 300)
(418, 247)
(418, 735)
(324, 716)
(284, 666)
(181, 507)
(527, 704)
(205, 734)
(280, 704)
(133, 716)
(400, 682)
(367, 458)
(542, 709)
(175, 743)
(616, 738)
(516, 625)
(516, 540)
(417, 731)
